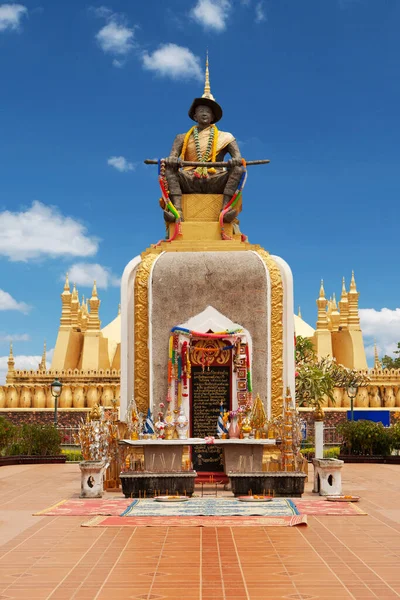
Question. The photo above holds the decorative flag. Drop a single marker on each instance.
(149, 424)
(221, 429)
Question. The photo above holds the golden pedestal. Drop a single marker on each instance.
(201, 207)
(201, 219)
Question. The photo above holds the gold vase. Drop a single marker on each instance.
(319, 414)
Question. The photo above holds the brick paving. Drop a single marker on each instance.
(334, 557)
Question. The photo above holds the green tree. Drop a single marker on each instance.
(388, 362)
(316, 378)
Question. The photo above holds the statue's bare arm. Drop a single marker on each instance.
(176, 150)
(234, 151)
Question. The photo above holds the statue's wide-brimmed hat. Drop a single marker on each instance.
(204, 101)
(207, 99)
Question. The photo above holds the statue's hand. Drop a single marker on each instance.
(230, 215)
(173, 161)
(234, 162)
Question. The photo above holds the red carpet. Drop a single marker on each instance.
(321, 507)
(84, 507)
(196, 521)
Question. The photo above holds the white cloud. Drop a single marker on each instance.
(173, 61)
(120, 163)
(260, 13)
(7, 302)
(115, 38)
(42, 231)
(15, 337)
(383, 326)
(23, 363)
(85, 273)
(11, 16)
(212, 14)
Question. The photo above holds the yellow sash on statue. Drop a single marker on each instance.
(224, 138)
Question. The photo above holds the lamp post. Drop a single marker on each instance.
(352, 393)
(56, 388)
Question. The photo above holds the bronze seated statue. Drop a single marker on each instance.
(203, 143)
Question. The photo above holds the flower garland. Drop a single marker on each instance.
(179, 364)
(209, 155)
(216, 335)
(233, 201)
(166, 203)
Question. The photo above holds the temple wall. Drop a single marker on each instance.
(81, 389)
(30, 390)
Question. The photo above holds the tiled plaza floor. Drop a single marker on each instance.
(334, 557)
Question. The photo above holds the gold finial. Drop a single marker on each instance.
(321, 290)
(10, 366)
(299, 313)
(377, 362)
(94, 290)
(353, 287)
(42, 365)
(66, 284)
(119, 309)
(207, 88)
(83, 300)
(344, 293)
(334, 304)
(95, 413)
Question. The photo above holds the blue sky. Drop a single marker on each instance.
(88, 90)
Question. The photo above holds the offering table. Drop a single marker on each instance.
(163, 455)
(244, 456)
(163, 471)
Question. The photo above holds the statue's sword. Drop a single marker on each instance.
(186, 163)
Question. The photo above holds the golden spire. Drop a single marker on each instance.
(207, 88)
(344, 293)
(299, 313)
(353, 315)
(322, 320)
(353, 287)
(75, 308)
(377, 362)
(94, 303)
(335, 315)
(11, 355)
(10, 365)
(66, 299)
(343, 307)
(42, 364)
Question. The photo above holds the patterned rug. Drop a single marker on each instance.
(85, 507)
(197, 521)
(81, 507)
(322, 507)
(211, 507)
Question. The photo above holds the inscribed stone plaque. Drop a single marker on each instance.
(209, 388)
